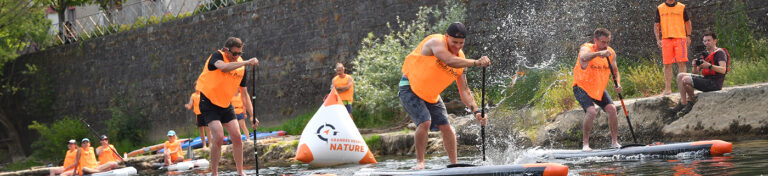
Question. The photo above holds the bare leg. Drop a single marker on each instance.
(107, 166)
(237, 144)
(241, 123)
(449, 141)
(210, 135)
(217, 137)
(681, 87)
(420, 140)
(167, 159)
(56, 170)
(613, 123)
(68, 173)
(587, 127)
(688, 87)
(668, 75)
(202, 136)
(681, 68)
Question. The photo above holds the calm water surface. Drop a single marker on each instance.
(748, 158)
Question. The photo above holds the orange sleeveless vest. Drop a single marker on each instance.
(341, 82)
(672, 22)
(69, 159)
(107, 154)
(593, 79)
(87, 159)
(174, 147)
(196, 103)
(427, 75)
(237, 102)
(218, 86)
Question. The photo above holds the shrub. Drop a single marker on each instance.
(52, 143)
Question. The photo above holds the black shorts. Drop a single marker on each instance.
(703, 84)
(211, 112)
(200, 121)
(586, 101)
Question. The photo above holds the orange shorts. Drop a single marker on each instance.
(674, 50)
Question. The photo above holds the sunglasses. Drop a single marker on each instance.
(234, 53)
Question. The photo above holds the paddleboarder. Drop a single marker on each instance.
(194, 105)
(69, 160)
(436, 63)
(590, 77)
(172, 152)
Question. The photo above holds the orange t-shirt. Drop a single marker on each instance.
(69, 159)
(341, 82)
(173, 147)
(595, 77)
(237, 102)
(428, 75)
(107, 154)
(87, 159)
(219, 86)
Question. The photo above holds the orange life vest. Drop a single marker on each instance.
(593, 79)
(711, 59)
(428, 75)
(69, 159)
(672, 21)
(237, 102)
(219, 86)
(87, 159)
(107, 154)
(196, 103)
(173, 147)
(341, 82)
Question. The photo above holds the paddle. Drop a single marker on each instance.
(253, 120)
(482, 113)
(616, 84)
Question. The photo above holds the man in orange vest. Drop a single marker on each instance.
(194, 105)
(713, 65)
(69, 160)
(434, 65)
(591, 75)
(672, 20)
(344, 84)
(222, 77)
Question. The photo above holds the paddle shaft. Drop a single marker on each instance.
(621, 98)
(253, 120)
(482, 112)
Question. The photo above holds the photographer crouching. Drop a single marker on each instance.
(713, 63)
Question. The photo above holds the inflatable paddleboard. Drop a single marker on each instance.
(712, 147)
(185, 165)
(116, 172)
(149, 149)
(331, 137)
(549, 169)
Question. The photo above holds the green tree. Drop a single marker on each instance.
(109, 6)
(60, 6)
(22, 23)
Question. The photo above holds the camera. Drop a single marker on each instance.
(700, 60)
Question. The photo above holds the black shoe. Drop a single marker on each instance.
(677, 108)
(687, 108)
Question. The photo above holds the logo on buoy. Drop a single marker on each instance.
(325, 131)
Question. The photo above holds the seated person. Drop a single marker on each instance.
(172, 149)
(713, 65)
(69, 160)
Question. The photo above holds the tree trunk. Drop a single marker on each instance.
(14, 145)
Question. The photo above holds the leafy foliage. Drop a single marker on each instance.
(22, 23)
(53, 139)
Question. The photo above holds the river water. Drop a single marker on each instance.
(749, 157)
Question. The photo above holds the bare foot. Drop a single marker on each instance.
(666, 92)
(586, 148)
(615, 145)
(419, 166)
(241, 173)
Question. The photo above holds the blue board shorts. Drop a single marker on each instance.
(422, 111)
(586, 101)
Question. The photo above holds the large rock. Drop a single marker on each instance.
(733, 112)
